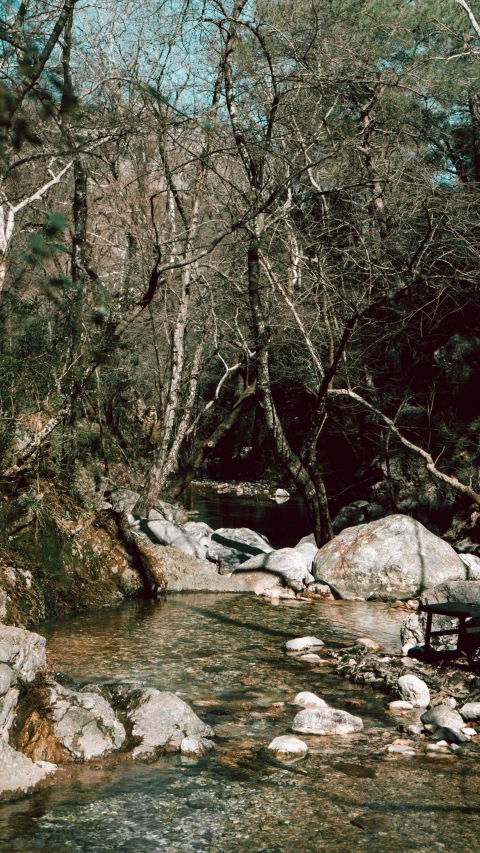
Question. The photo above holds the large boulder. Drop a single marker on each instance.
(394, 557)
(167, 568)
(228, 549)
(309, 551)
(20, 775)
(84, 723)
(199, 531)
(164, 532)
(290, 564)
(161, 720)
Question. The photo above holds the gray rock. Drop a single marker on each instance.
(394, 557)
(287, 746)
(412, 631)
(324, 721)
(299, 644)
(123, 500)
(473, 566)
(450, 735)
(168, 533)
(23, 651)
(195, 746)
(289, 563)
(310, 540)
(443, 716)
(309, 700)
(414, 690)
(18, 774)
(171, 512)
(161, 719)
(309, 551)
(199, 531)
(182, 573)
(470, 711)
(227, 554)
(8, 704)
(85, 723)
(7, 678)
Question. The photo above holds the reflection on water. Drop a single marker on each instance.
(224, 654)
(282, 524)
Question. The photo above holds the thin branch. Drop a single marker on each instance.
(429, 463)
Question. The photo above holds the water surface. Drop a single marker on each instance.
(224, 655)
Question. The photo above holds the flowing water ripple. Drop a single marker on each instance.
(225, 655)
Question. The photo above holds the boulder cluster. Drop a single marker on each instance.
(44, 723)
(390, 558)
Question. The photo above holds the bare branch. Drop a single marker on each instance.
(429, 463)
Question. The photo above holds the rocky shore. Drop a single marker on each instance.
(46, 722)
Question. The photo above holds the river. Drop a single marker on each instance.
(224, 655)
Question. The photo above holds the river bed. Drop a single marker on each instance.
(225, 656)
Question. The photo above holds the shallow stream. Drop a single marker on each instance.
(224, 655)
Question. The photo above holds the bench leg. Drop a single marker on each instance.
(428, 631)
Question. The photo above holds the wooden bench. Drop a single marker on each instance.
(467, 633)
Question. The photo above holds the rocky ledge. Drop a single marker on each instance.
(44, 723)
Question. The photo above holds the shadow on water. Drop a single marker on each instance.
(237, 623)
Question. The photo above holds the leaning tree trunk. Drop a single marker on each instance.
(309, 484)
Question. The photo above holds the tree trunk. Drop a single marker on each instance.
(309, 483)
(204, 448)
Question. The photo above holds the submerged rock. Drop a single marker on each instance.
(394, 557)
(325, 720)
(20, 775)
(367, 643)
(162, 720)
